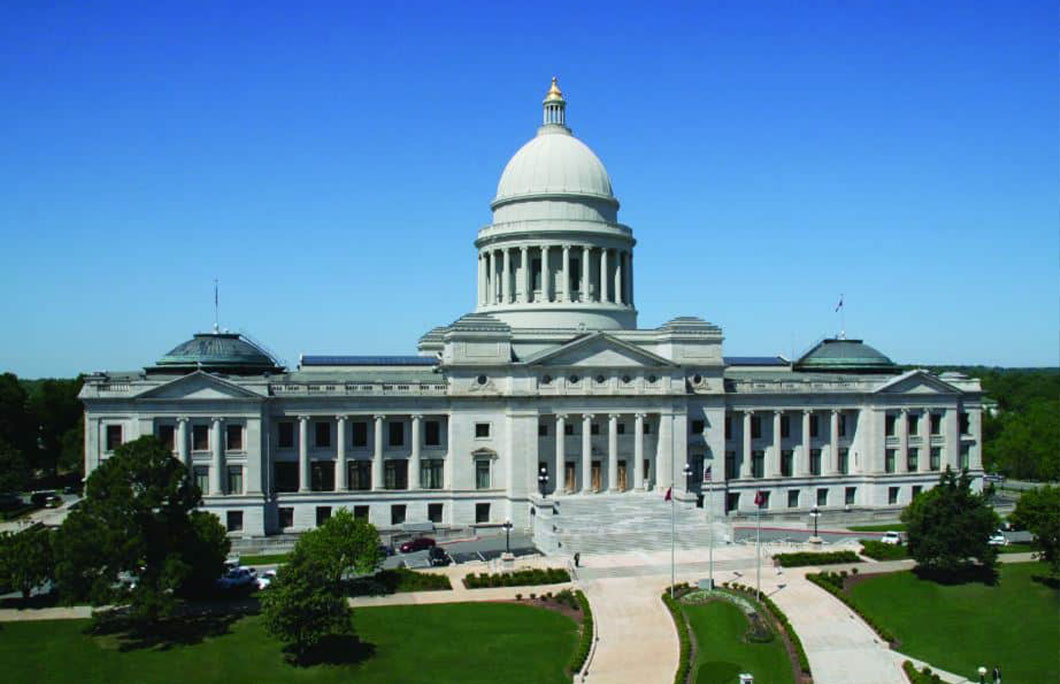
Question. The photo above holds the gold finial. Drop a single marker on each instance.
(554, 93)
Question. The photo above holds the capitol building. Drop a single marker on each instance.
(547, 392)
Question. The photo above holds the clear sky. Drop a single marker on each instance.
(331, 163)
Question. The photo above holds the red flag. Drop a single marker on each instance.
(707, 474)
(760, 498)
(669, 494)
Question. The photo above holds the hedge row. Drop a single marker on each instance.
(397, 580)
(874, 548)
(832, 582)
(519, 578)
(577, 661)
(804, 661)
(925, 676)
(803, 558)
(684, 663)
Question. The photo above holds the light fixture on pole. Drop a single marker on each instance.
(507, 537)
(815, 513)
(542, 480)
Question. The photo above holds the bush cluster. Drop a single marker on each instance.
(874, 548)
(804, 558)
(833, 582)
(684, 662)
(519, 578)
(924, 676)
(397, 580)
(804, 661)
(585, 643)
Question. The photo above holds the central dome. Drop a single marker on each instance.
(554, 163)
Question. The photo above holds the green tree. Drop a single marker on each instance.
(16, 425)
(14, 472)
(302, 609)
(137, 522)
(950, 524)
(1038, 511)
(26, 559)
(55, 411)
(344, 545)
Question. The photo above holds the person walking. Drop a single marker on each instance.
(997, 674)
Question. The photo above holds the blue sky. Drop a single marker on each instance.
(331, 163)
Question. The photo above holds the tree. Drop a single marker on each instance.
(302, 609)
(343, 545)
(950, 524)
(137, 523)
(55, 411)
(1038, 511)
(26, 560)
(14, 472)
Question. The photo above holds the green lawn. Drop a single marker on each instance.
(264, 559)
(460, 642)
(722, 653)
(1015, 624)
(886, 527)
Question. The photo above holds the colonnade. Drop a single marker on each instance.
(586, 459)
(546, 273)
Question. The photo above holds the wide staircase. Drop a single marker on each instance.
(618, 523)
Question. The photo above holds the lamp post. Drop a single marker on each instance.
(815, 513)
(688, 475)
(982, 674)
(507, 536)
(542, 480)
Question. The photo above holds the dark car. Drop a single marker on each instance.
(438, 557)
(417, 544)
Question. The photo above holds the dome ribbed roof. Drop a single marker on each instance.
(228, 352)
(844, 355)
(555, 162)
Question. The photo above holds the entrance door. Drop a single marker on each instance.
(569, 481)
(622, 476)
(596, 476)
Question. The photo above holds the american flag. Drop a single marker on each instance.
(706, 474)
(760, 498)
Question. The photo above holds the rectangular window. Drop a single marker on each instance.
(844, 461)
(482, 474)
(787, 458)
(890, 456)
(568, 429)
(235, 479)
(594, 428)
(756, 427)
(396, 473)
(234, 521)
(113, 437)
(535, 273)
(765, 500)
(432, 473)
(732, 501)
(889, 424)
(396, 433)
(892, 495)
(323, 513)
(822, 497)
(697, 427)
(432, 433)
(397, 514)
(917, 489)
(360, 434)
(965, 456)
(936, 423)
(793, 498)
(575, 275)
(936, 458)
(728, 427)
(360, 512)
(202, 478)
(200, 437)
(286, 434)
(842, 425)
(964, 423)
(758, 459)
(434, 512)
(482, 430)
(785, 426)
(233, 438)
(647, 428)
(913, 460)
(814, 424)
(911, 423)
(482, 513)
(542, 430)
(732, 466)
(815, 461)
(167, 434)
(286, 517)
(849, 495)
(359, 475)
(621, 428)
(285, 476)
(322, 434)
(322, 476)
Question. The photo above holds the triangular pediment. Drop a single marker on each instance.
(916, 382)
(198, 386)
(598, 350)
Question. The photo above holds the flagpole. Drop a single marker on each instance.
(673, 537)
(758, 548)
(710, 525)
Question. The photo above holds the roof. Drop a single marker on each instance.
(755, 361)
(368, 361)
(218, 351)
(835, 354)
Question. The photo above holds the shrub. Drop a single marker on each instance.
(585, 643)
(519, 578)
(877, 550)
(804, 558)
(925, 676)
(684, 662)
(396, 581)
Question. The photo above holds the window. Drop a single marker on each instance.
(396, 433)
(397, 514)
(360, 434)
(234, 521)
(844, 461)
(758, 459)
(286, 434)
(814, 424)
(889, 423)
(432, 473)
(167, 434)
(732, 466)
(913, 460)
(542, 430)
(482, 474)
(732, 501)
(889, 458)
(434, 512)
(286, 517)
(396, 473)
(849, 495)
(200, 437)
(359, 475)
(322, 476)
(535, 273)
(202, 478)
(594, 428)
(285, 476)
(482, 430)
(936, 458)
(964, 423)
(568, 429)
(432, 433)
(728, 427)
(822, 497)
(911, 419)
(482, 513)
(620, 428)
(793, 498)
(965, 456)
(575, 275)
(842, 424)
(815, 461)
(765, 500)
(360, 512)
(936, 423)
(917, 489)
(787, 457)
(785, 426)
(323, 513)
(647, 428)
(322, 434)
(233, 438)
(235, 479)
(697, 427)
(113, 437)
(892, 495)
(756, 427)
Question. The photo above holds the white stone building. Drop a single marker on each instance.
(548, 387)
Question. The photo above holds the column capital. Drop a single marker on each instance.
(566, 247)
(379, 417)
(588, 416)
(836, 411)
(417, 417)
(217, 421)
(342, 417)
(903, 411)
(613, 416)
(641, 415)
(561, 416)
(748, 412)
(183, 419)
(779, 412)
(303, 419)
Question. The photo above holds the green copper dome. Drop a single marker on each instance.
(224, 352)
(844, 355)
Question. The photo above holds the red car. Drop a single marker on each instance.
(417, 544)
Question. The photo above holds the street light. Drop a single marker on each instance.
(815, 513)
(507, 536)
(688, 474)
(542, 480)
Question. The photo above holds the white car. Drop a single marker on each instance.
(265, 579)
(894, 538)
(997, 539)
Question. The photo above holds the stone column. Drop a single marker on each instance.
(585, 274)
(612, 453)
(182, 441)
(481, 279)
(903, 436)
(341, 483)
(924, 464)
(587, 452)
(524, 273)
(566, 275)
(833, 457)
(748, 462)
(561, 455)
(303, 453)
(664, 455)
(629, 279)
(975, 426)
(638, 452)
(414, 458)
(546, 275)
(377, 454)
(506, 287)
(773, 462)
(620, 263)
(604, 275)
(802, 464)
(217, 486)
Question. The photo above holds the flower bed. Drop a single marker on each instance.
(519, 578)
(778, 614)
(684, 662)
(925, 676)
(804, 558)
(585, 643)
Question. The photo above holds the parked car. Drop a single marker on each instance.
(438, 557)
(45, 498)
(417, 544)
(265, 579)
(891, 537)
(386, 550)
(240, 578)
(997, 539)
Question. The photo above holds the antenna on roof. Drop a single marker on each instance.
(216, 319)
(842, 318)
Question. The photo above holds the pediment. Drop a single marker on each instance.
(916, 382)
(198, 386)
(598, 350)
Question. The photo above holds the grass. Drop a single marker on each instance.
(398, 580)
(265, 559)
(722, 653)
(1016, 548)
(887, 527)
(1014, 624)
(461, 642)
